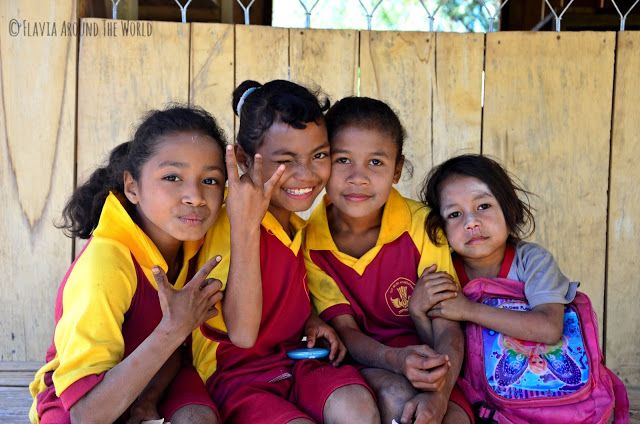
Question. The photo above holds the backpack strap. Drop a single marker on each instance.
(621, 408)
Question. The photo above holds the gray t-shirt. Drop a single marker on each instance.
(543, 281)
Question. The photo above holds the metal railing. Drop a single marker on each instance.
(492, 8)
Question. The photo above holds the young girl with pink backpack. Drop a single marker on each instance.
(532, 352)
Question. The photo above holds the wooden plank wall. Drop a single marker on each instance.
(547, 117)
(548, 102)
(37, 140)
(623, 265)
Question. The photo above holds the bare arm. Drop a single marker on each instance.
(247, 202)
(542, 324)
(183, 310)
(422, 366)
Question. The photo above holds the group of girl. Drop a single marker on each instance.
(186, 299)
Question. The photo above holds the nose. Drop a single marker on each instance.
(304, 172)
(357, 176)
(193, 194)
(471, 222)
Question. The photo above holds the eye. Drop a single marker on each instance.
(376, 162)
(284, 162)
(342, 160)
(210, 181)
(484, 206)
(320, 155)
(453, 215)
(172, 178)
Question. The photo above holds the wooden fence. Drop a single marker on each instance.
(560, 111)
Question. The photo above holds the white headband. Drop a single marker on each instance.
(243, 98)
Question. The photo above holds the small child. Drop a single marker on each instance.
(281, 127)
(475, 202)
(118, 319)
(365, 250)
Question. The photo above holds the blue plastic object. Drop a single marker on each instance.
(308, 353)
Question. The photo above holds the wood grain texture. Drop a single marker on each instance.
(623, 271)
(121, 78)
(262, 53)
(457, 95)
(547, 119)
(212, 72)
(325, 60)
(37, 131)
(399, 69)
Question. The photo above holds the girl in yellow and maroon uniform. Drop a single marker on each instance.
(118, 320)
(283, 122)
(366, 250)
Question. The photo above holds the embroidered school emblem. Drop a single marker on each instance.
(398, 295)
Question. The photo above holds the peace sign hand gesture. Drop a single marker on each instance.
(184, 310)
(248, 198)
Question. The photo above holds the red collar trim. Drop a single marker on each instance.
(509, 255)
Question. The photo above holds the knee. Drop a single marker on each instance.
(194, 414)
(393, 396)
(349, 404)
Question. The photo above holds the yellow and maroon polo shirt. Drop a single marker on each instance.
(107, 304)
(375, 288)
(286, 307)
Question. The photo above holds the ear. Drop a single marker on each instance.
(243, 159)
(398, 171)
(130, 188)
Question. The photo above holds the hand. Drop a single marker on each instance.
(425, 408)
(185, 309)
(248, 197)
(142, 410)
(431, 288)
(454, 309)
(425, 368)
(316, 329)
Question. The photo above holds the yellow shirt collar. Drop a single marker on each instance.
(116, 224)
(271, 224)
(396, 219)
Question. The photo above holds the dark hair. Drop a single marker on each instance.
(517, 210)
(365, 112)
(82, 212)
(275, 101)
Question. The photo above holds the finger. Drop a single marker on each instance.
(311, 337)
(210, 286)
(430, 380)
(161, 279)
(271, 184)
(428, 270)
(342, 352)
(334, 346)
(408, 412)
(256, 172)
(426, 362)
(435, 313)
(443, 296)
(232, 166)
(203, 272)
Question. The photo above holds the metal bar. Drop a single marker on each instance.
(114, 9)
(623, 19)
(307, 12)
(542, 23)
(246, 10)
(183, 9)
(558, 18)
(431, 16)
(369, 15)
(492, 17)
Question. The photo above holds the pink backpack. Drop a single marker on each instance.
(515, 381)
